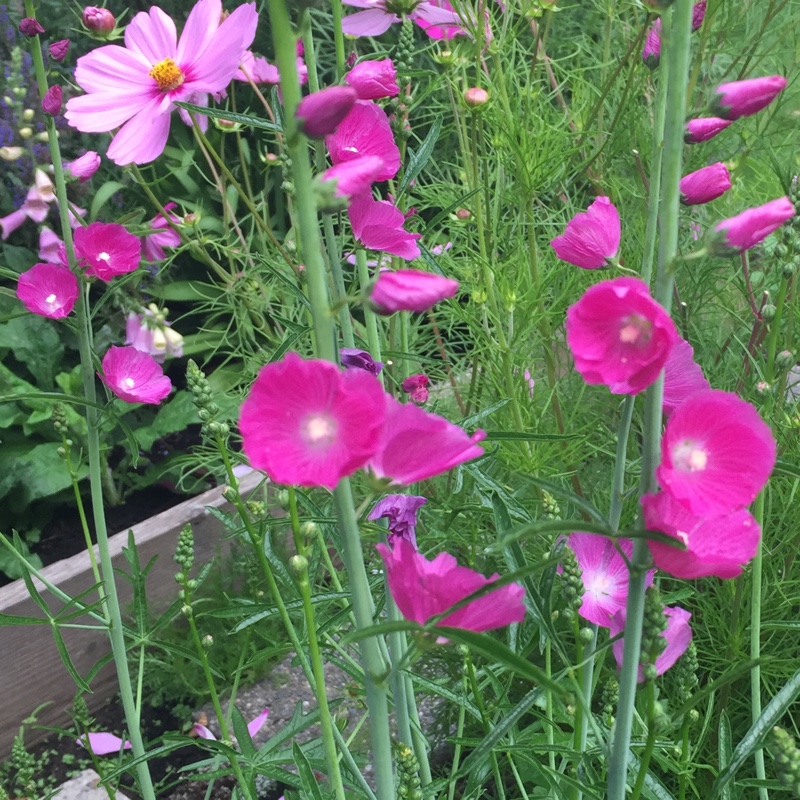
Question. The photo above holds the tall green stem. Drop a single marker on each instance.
(678, 30)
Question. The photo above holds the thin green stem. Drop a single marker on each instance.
(338, 37)
(487, 723)
(650, 744)
(370, 318)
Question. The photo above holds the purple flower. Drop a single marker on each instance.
(698, 15)
(53, 100)
(59, 50)
(30, 27)
(320, 113)
(353, 358)
(651, 54)
(591, 239)
(416, 387)
(747, 229)
(705, 185)
(401, 511)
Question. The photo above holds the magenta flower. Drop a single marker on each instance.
(310, 423)
(365, 131)
(378, 225)
(103, 744)
(163, 235)
(716, 453)
(353, 358)
(442, 31)
(591, 239)
(651, 53)
(98, 20)
(704, 128)
(107, 249)
(136, 86)
(619, 336)
(715, 545)
(744, 98)
(417, 445)
(29, 26)
(705, 184)
(49, 290)
(58, 50)
(683, 376)
(84, 167)
(604, 573)
(698, 15)
(373, 80)
(379, 16)
(424, 589)
(320, 113)
(354, 177)
(401, 512)
(410, 290)
(416, 387)
(751, 227)
(678, 635)
(133, 376)
(53, 100)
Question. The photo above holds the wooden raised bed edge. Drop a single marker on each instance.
(31, 670)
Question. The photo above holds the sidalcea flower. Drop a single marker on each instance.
(678, 636)
(715, 545)
(136, 86)
(320, 113)
(103, 744)
(49, 290)
(751, 227)
(401, 512)
(410, 290)
(98, 20)
(416, 445)
(424, 589)
(744, 98)
(353, 177)
(373, 80)
(604, 573)
(378, 225)
(365, 131)
(53, 100)
(704, 128)
(151, 333)
(163, 235)
(353, 358)
(29, 26)
(311, 424)
(716, 453)
(698, 15)
(705, 185)
(379, 16)
(58, 50)
(106, 250)
(253, 727)
(591, 239)
(619, 336)
(651, 53)
(84, 167)
(683, 376)
(416, 387)
(133, 376)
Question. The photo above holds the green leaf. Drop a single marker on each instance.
(725, 750)
(243, 735)
(417, 160)
(102, 196)
(310, 785)
(36, 345)
(174, 416)
(514, 436)
(231, 116)
(67, 661)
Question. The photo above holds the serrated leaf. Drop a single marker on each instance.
(231, 116)
(310, 785)
(417, 160)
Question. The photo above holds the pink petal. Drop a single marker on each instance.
(201, 25)
(152, 35)
(203, 732)
(369, 23)
(100, 112)
(255, 725)
(102, 744)
(142, 139)
(112, 67)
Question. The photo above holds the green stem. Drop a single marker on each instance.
(650, 744)
(338, 37)
(371, 319)
(477, 696)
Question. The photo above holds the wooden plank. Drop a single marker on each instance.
(31, 671)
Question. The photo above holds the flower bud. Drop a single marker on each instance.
(52, 101)
(298, 564)
(705, 184)
(30, 27)
(99, 20)
(785, 359)
(463, 214)
(320, 113)
(207, 641)
(732, 236)
(475, 97)
(704, 128)
(25, 132)
(768, 312)
(59, 50)
(651, 53)
(11, 153)
(28, 114)
(744, 98)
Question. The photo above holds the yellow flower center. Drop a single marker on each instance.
(167, 75)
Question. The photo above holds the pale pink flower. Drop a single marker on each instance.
(163, 235)
(107, 249)
(715, 545)
(678, 635)
(49, 290)
(379, 16)
(410, 290)
(378, 225)
(253, 727)
(354, 177)
(136, 86)
(683, 376)
(401, 512)
(51, 248)
(133, 376)
(417, 445)
(705, 185)
(744, 98)
(373, 80)
(152, 334)
(619, 336)
(591, 239)
(36, 205)
(704, 128)
(103, 744)
(751, 227)
(365, 131)
(424, 589)
(416, 387)
(256, 69)
(311, 424)
(84, 167)
(320, 113)
(716, 453)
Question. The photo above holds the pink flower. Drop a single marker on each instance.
(591, 239)
(619, 336)
(683, 376)
(715, 545)
(136, 86)
(705, 184)
(49, 290)
(353, 358)
(373, 80)
(58, 50)
(698, 15)
(257, 69)
(744, 98)
(84, 167)
(365, 131)
(310, 423)
(354, 177)
(716, 453)
(416, 387)
(410, 290)
(107, 249)
(751, 227)
(29, 26)
(53, 100)
(604, 573)
(379, 16)
(103, 744)
(424, 589)
(98, 20)
(51, 248)
(417, 445)
(152, 334)
(36, 205)
(320, 113)
(163, 236)
(678, 635)
(401, 512)
(253, 727)
(704, 128)
(438, 32)
(133, 376)
(378, 225)
(651, 54)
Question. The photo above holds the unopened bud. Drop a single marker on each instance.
(298, 564)
(30, 27)
(59, 50)
(28, 114)
(98, 20)
(207, 641)
(26, 132)
(229, 493)
(11, 153)
(475, 97)
(784, 359)
(463, 213)
(768, 312)
(310, 530)
(53, 100)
